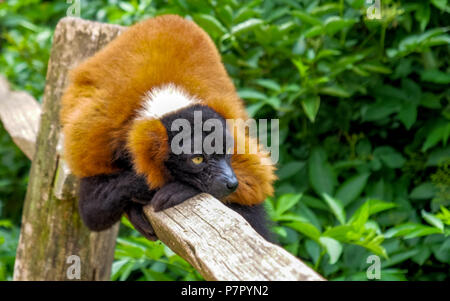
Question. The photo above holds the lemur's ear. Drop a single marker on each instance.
(148, 142)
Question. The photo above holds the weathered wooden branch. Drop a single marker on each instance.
(217, 241)
(20, 114)
(221, 245)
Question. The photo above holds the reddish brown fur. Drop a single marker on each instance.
(149, 138)
(255, 174)
(106, 92)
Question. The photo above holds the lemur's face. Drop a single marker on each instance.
(212, 174)
(207, 168)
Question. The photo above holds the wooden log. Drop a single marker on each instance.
(20, 113)
(221, 245)
(51, 229)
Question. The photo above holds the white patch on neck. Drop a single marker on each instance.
(161, 101)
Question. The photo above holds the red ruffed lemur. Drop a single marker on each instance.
(117, 116)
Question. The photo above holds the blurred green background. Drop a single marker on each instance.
(364, 110)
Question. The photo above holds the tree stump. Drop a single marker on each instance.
(51, 228)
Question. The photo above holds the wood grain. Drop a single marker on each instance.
(19, 113)
(51, 228)
(221, 245)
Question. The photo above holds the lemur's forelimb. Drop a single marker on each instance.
(104, 198)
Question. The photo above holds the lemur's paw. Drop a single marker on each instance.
(137, 218)
(139, 190)
(171, 195)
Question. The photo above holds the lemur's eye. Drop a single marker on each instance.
(197, 160)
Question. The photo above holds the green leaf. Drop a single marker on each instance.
(380, 110)
(399, 257)
(424, 191)
(117, 267)
(306, 229)
(326, 9)
(433, 220)
(321, 175)
(302, 68)
(335, 91)
(225, 13)
(374, 67)
(335, 24)
(290, 217)
(408, 114)
(155, 276)
(411, 230)
(273, 102)
(286, 202)
(423, 15)
(269, 84)
(435, 76)
(6, 223)
(389, 156)
(444, 215)
(441, 4)
(430, 100)
(376, 206)
(333, 248)
(251, 94)
(210, 24)
(352, 188)
(360, 217)
(306, 18)
(254, 108)
(327, 53)
(439, 132)
(126, 7)
(314, 203)
(423, 254)
(417, 42)
(339, 232)
(438, 156)
(313, 249)
(311, 107)
(336, 207)
(246, 26)
(290, 169)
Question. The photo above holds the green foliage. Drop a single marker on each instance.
(136, 258)
(364, 110)
(9, 236)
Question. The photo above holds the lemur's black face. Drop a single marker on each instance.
(202, 161)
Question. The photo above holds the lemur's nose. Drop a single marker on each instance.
(232, 184)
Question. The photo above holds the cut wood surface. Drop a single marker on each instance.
(217, 241)
(20, 113)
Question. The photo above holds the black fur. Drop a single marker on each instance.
(104, 198)
(140, 222)
(172, 194)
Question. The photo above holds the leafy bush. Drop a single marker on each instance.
(364, 118)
